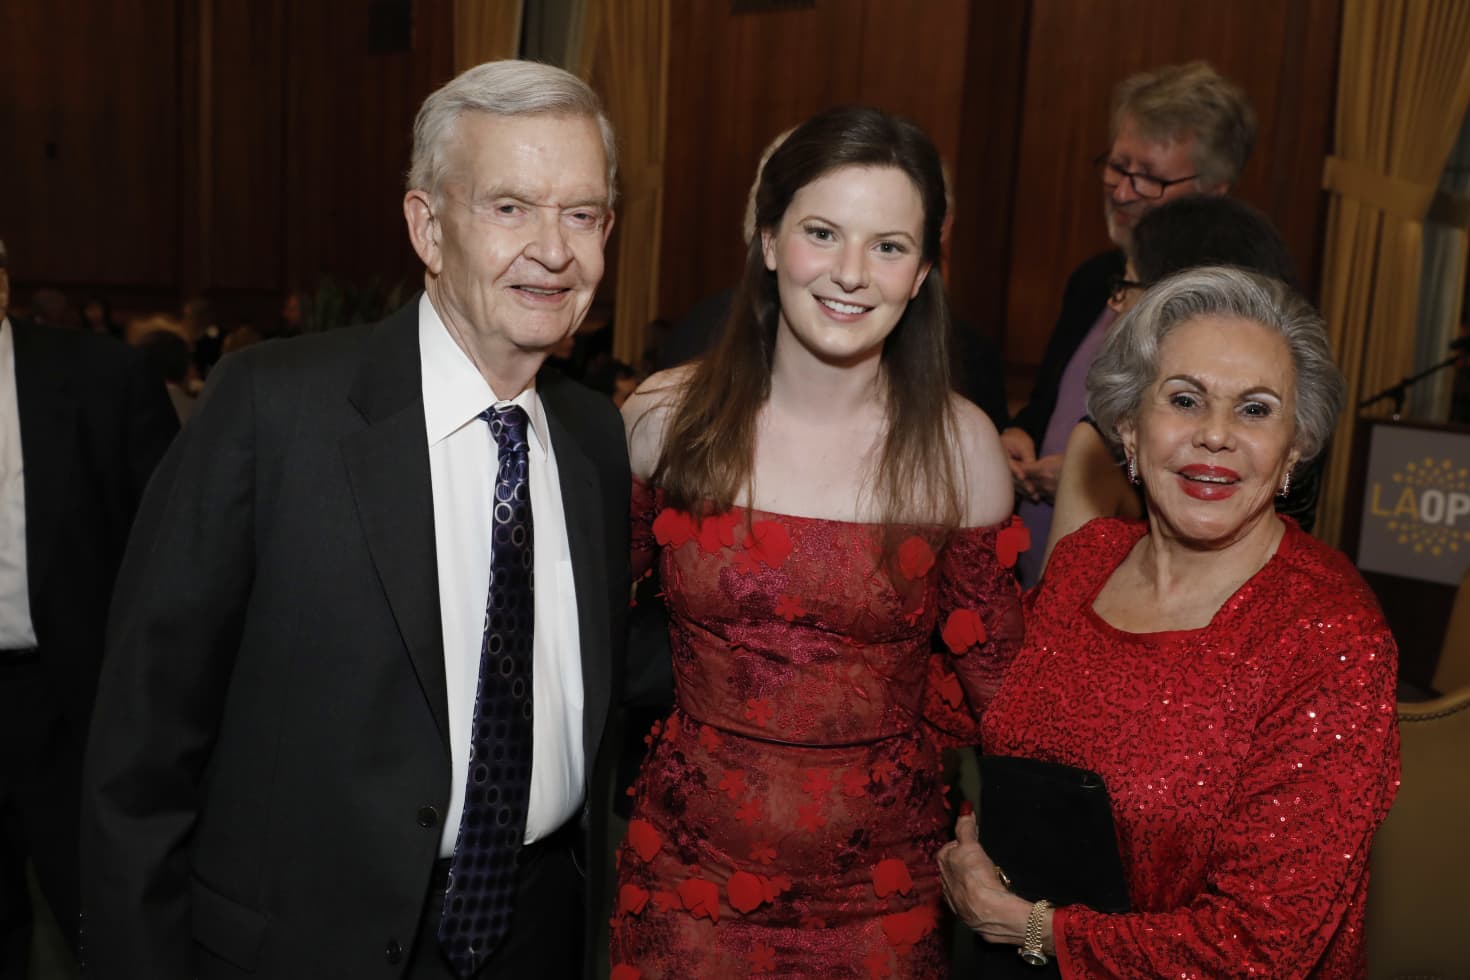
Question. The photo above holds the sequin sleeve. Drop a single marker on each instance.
(1287, 868)
(980, 628)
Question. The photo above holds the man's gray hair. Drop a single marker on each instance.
(503, 88)
(1192, 99)
(1128, 364)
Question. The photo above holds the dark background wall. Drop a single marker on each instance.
(1015, 95)
(155, 149)
(159, 148)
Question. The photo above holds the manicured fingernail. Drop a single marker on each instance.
(966, 809)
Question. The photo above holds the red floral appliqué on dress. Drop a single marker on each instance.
(786, 819)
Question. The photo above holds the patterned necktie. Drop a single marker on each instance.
(481, 891)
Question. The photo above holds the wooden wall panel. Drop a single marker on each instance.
(242, 200)
(736, 80)
(984, 169)
(1282, 54)
(347, 132)
(88, 110)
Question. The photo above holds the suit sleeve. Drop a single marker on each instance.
(172, 640)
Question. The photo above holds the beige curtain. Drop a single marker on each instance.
(1403, 87)
(625, 53)
(485, 30)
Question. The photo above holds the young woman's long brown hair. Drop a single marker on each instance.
(708, 447)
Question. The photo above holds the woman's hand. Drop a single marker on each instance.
(975, 892)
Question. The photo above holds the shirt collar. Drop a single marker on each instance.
(455, 393)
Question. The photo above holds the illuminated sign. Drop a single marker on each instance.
(1416, 505)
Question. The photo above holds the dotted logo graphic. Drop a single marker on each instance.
(1425, 507)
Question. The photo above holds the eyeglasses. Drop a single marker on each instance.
(1144, 185)
(1118, 287)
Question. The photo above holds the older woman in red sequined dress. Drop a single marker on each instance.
(819, 505)
(1230, 677)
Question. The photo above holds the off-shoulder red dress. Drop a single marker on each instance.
(786, 820)
(1249, 761)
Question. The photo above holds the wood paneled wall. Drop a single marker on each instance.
(1015, 94)
(738, 79)
(1282, 53)
(173, 146)
(166, 147)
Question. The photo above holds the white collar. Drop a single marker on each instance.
(455, 393)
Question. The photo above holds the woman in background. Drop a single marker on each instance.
(818, 503)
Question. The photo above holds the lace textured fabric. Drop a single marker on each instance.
(786, 820)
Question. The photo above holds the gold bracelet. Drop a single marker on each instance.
(1031, 950)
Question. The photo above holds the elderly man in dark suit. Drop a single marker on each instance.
(82, 425)
(360, 672)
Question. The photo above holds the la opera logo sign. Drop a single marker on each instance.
(1416, 504)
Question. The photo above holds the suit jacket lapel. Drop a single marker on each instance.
(388, 468)
(581, 497)
(47, 425)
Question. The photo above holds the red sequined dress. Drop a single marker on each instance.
(786, 820)
(1249, 762)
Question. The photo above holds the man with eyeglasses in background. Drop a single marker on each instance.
(1178, 130)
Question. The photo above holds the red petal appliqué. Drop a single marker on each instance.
(745, 891)
(769, 542)
(672, 527)
(763, 852)
(701, 898)
(1011, 541)
(625, 972)
(644, 839)
(854, 783)
(891, 876)
(963, 630)
(915, 558)
(717, 531)
(632, 899)
(903, 929)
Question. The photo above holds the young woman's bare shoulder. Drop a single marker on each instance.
(982, 465)
(646, 412)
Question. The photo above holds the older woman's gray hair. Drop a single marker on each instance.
(1128, 363)
(503, 88)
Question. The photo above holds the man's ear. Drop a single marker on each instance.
(607, 226)
(423, 229)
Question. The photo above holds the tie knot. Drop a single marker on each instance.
(509, 426)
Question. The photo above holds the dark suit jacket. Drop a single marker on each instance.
(94, 422)
(270, 761)
(1083, 299)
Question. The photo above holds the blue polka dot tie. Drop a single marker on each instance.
(481, 892)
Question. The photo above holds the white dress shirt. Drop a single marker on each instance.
(16, 629)
(462, 466)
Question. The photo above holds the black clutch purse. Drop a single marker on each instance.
(1050, 828)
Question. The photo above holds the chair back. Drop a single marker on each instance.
(1418, 919)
